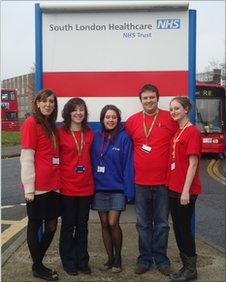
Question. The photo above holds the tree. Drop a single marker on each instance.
(212, 64)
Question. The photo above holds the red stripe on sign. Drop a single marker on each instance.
(115, 84)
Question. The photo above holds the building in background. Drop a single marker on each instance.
(217, 75)
(24, 84)
(223, 74)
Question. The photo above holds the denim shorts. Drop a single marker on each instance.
(109, 201)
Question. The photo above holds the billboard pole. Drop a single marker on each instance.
(192, 80)
(38, 48)
(192, 61)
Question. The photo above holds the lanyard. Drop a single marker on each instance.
(147, 133)
(78, 146)
(54, 142)
(177, 138)
(102, 145)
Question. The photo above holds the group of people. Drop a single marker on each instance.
(66, 170)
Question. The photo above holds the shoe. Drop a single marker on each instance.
(165, 270)
(188, 272)
(85, 269)
(108, 265)
(115, 269)
(117, 265)
(42, 267)
(140, 269)
(44, 274)
(71, 271)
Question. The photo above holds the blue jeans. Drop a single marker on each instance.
(152, 209)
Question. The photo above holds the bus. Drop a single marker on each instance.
(210, 116)
(9, 110)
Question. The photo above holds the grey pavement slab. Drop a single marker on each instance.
(12, 151)
(211, 261)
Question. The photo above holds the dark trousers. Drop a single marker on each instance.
(181, 217)
(38, 246)
(74, 231)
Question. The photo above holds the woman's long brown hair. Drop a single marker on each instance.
(48, 124)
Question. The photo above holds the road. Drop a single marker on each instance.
(210, 211)
(13, 208)
(12, 192)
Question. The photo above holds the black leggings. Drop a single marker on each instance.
(181, 217)
(38, 246)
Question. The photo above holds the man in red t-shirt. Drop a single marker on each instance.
(151, 131)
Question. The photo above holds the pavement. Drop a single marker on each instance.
(9, 152)
(17, 265)
(211, 261)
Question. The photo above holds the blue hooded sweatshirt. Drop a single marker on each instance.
(115, 166)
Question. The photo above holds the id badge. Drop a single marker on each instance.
(55, 161)
(101, 169)
(173, 166)
(80, 169)
(146, 148)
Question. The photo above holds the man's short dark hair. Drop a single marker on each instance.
(149, 88)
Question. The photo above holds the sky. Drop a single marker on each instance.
(18, 35)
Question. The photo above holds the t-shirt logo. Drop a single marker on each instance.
(115, 149)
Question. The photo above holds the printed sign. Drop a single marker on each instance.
(106, 57)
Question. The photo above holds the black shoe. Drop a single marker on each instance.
(42, 267)
(71, 271)
(85, 269)
(45, 273)
(188, 272)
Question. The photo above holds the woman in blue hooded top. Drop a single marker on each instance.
(113, 172)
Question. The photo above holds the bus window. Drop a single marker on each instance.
(5, 105)
(11, 116)
(8, 95)
(12, 96)
(209, 115)
(5, 96)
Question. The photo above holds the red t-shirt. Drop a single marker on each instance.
(190, 143)
(46, 173)
(72, 182)
(151, 168)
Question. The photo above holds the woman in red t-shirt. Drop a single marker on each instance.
(40, 179)
(184, 185)
(76, 186)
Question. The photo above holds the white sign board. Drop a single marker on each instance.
(106, 56)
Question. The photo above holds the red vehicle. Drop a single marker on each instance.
(210, 116)
(9, 110)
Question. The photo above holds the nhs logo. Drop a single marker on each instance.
(168, 23)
